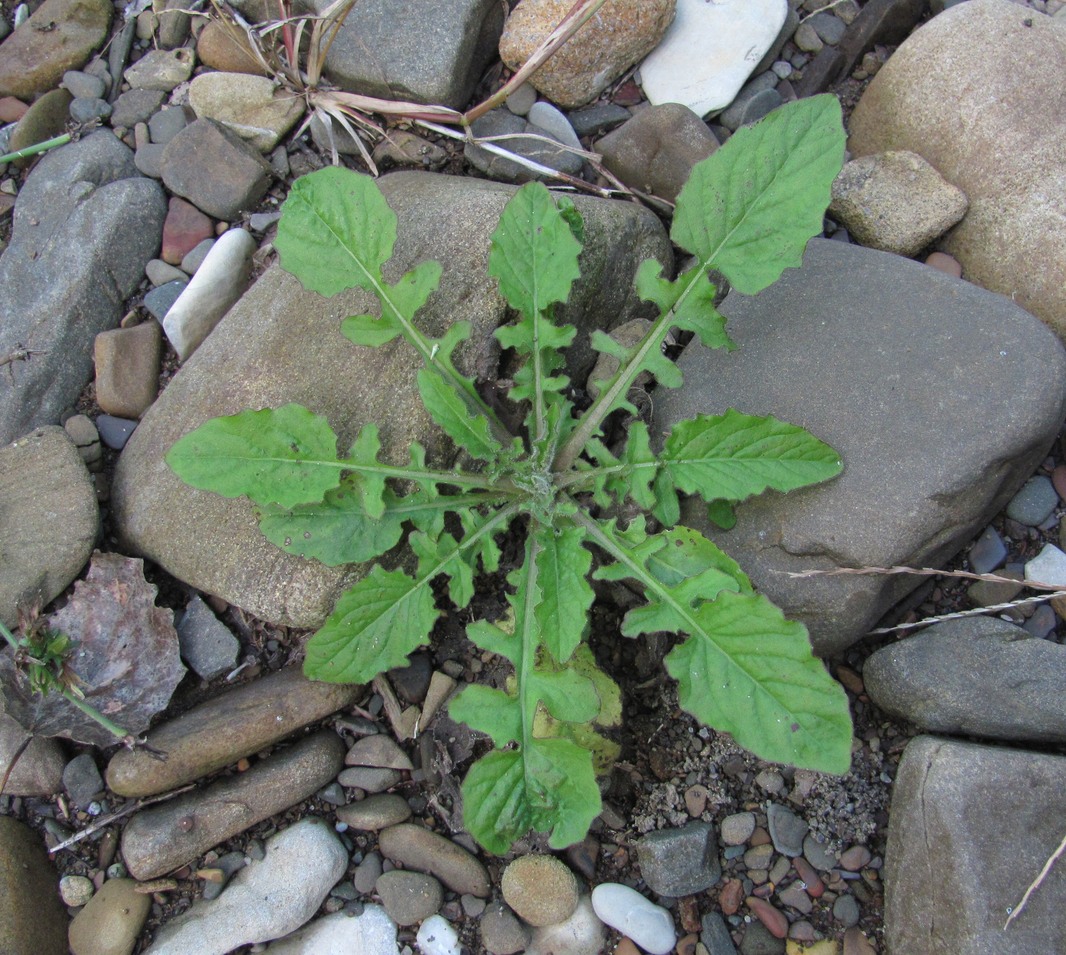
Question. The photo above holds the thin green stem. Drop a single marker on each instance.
(530, 637)
(36, 148)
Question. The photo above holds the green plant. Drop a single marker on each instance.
(747, 212)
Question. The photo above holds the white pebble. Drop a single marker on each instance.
(1048, 567)
(627, 911)
(437, 937)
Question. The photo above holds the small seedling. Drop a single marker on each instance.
(741, 667)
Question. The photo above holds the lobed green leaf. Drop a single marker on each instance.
(563, 564)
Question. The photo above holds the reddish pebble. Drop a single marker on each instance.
(626, 947)
(802, 931)
(855, 858)
(1058, 479)
(731, 896)
(811, 880)
(775, 921)
(687, 945)
(943, 262)
(851, 680)
(760, 837)
(11, 109)
(185, 228)
(628, 94)
(855, 943)
(688, 911)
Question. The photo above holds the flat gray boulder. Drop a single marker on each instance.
(85, 225)
(280, 343)
(978, 676)
(48, 521)
(941, 398)
(970, 827)
(979, 92)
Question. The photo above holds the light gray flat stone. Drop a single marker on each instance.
(940, 397)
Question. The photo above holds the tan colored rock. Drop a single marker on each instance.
(416, 847)
(61, 35)
(540, 889)
(979, 92)
(127, 369)
(621, 33)
(32, 918)
(226, 48)
(164, 837)
(111, 921)
(48, 521)
(895, 202)
(251, 106)
(237, 723)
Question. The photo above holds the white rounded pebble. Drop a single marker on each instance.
(371, 933)
(627, 911)
(437, 937)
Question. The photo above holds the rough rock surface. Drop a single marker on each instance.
(620, 34)
(975, 92)
(85, 214)
(940, 397)
(398, 50)
(265, 900)
(991, 817)
(895, 202)
(280, 343)
(60, 36)
(977, 677)
(48, 522)
(33, 920)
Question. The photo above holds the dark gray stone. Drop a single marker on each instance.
(136, 106)
(401, 50)
(167, 123)
(159, 300)
(115, 432)
(655, 151)
(216, 170)
(714, 934)
(597, 119)
(207, 645)
(502, 122)
(679, 862)
(830, 29)
(757, 940)
(881, 21)
(84, 228)
(48, 521)
(820, 72)
(291, 350)
(787, 830)
(988, 552)
(940, 397)
(978, 676)
(82, 780)
(1034, 503)
(748, 108)
(988, 817)
(86, 110)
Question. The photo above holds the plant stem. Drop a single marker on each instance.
(36, 148)
(87, 709)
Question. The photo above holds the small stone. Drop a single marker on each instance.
(501, 932)
(796, 898)
(378, 750)
(552, 121)
(111, 920)
(581, 934)
(772, 918)
(786, 829)
(226, 48)
(82, 781)
(1034, 503)
(85, 110)
(76, 890)
(855, 859)
(817, 855)
(846, 910)
(409, 897)
(731, 896)
(770, 780)
(855, 943)
(407, 149)
(207, 645)
(750, 108)
(812, 882)
(166, 124)
(598, 118)
(375, 812)
(161, 69)
(803, 931)
(115, 432)
(160, 272)
(369, 778)
(807, 39)
(737, 828)
(1048, 567)
(696, 800)
(196, 256)
(437, 937)
(679, 862)
(419, 848)
(540, 889)
(758, 857)
(501, 122)
(714, 935)
(184, 228)
(473, 907)
(945, 263)
(135, 106)
(988, 552)
(627, 911)
(522, 99)
(127, 369)
(161, 299)
(367, 873)
(252, 106)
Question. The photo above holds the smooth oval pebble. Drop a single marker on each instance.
(369, 778)
(409, 897)
(775, 921)
(737, 828)
(375, 812)
(418, 848)
(76, 890)
(380, 751)
(111, 921)
(540, 889)
(627, 911)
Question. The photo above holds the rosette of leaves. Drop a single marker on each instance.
(741, 667)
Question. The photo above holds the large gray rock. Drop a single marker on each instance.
(423, 53)
(978, 676)
(970, 827)
(280, 343)
(48, 522)
(85, 225)
(979, 92)
(940, 397)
